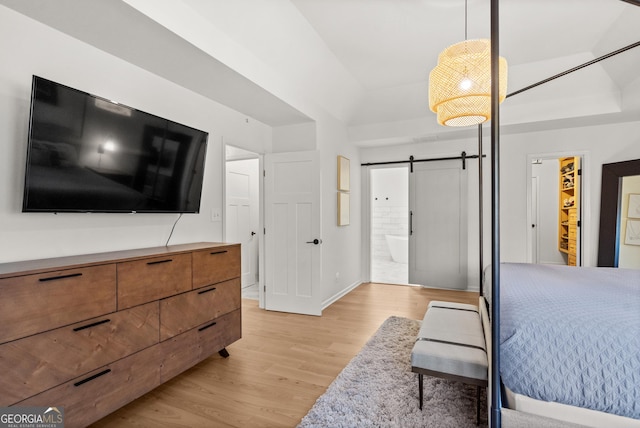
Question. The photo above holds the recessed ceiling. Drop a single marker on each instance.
(390, 47)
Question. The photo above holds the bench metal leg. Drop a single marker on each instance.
(420, 389)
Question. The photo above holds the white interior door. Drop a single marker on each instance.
(242, 214)
(438, 225)
(292, 238)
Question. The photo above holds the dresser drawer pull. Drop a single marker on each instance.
(53, 278)
(160, 261)
(207, 326)
(218, 252)
(206, 291)
(91, 325)
(90, 378)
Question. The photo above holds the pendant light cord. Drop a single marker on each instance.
(465, 19)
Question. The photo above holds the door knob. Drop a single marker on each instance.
(314, 242)
(253, 233)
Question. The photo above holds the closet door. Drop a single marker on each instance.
(438, 225)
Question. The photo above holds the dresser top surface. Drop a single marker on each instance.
(28, 267)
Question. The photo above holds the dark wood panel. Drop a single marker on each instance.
(142, 281)
(93, 396)
(186, 311)
(227, 329)
(216, 265)
(187, 349)
(35, 303)
(42, 361)
(178, 354)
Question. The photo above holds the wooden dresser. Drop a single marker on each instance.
(91, 333)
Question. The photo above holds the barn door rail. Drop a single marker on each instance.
(463, 157)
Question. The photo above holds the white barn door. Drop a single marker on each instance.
(438, 225)
(292, 238)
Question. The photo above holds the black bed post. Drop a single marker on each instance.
(480, 208)
(496, 403)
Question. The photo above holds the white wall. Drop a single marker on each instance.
(294, 138)
(341, 252)
(32, 48)
(629, 256)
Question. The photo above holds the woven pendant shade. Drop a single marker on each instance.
(460, 85)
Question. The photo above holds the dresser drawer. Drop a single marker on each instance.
(142, 281)
(179, 353)
(42, 361)
(34, 303)
(90, 397)
(185, 350)
(186, 311)
(216, 265)
(226, 330)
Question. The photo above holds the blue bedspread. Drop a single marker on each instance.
(572, 335)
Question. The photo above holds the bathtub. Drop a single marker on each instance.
(398, 247)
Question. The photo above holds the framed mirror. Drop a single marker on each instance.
(610, 210)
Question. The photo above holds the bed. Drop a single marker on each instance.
(570, 342)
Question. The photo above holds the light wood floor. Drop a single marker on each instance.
(282, 364)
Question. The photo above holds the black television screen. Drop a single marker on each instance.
(89, 154)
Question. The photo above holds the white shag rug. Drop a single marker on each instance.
(378, 389)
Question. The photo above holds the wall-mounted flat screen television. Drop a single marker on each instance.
(89, 154)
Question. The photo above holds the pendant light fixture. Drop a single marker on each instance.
(460, 85)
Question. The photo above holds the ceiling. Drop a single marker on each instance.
(390, 47)
(366, 62)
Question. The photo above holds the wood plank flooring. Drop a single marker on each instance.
(283, 363)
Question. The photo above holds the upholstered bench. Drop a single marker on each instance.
(451, 345)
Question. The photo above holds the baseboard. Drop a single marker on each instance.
(339, 295)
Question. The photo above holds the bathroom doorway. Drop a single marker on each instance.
(242, 214)
(390, 225)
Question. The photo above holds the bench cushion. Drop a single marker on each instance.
(465, 356)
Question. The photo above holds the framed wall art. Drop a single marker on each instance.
(343, 209)
(343, 174)
(633, 211)
(632, 237)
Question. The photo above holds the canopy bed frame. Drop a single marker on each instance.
(532, 416)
